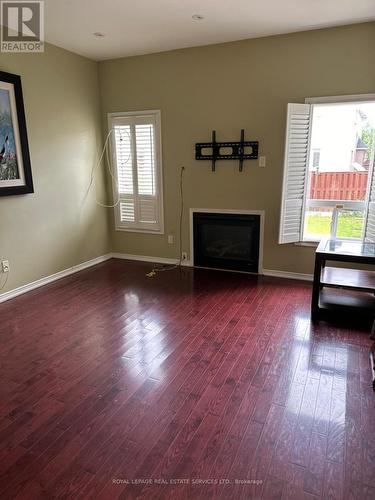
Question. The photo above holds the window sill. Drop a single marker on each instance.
(144, 231)
(313, 244)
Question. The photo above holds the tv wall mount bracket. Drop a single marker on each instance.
(214, 151)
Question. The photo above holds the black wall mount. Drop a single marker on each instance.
(214, 151)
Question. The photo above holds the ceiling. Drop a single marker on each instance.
(134, 27)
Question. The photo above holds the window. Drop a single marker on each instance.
(136, 156)
(328, 187)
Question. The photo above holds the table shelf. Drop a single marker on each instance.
(344, 289)
(352, 279)
(352, 301)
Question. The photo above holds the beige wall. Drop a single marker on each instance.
(227, 87)
(54, 229)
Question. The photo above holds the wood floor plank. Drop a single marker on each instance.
(115, 385)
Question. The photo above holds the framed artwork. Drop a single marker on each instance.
(15, 167)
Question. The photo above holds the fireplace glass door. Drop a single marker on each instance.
(226, 241)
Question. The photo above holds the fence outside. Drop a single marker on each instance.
(338, 185)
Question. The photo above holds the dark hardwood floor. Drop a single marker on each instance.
(218, 380)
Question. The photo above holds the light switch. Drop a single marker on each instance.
(262, 161)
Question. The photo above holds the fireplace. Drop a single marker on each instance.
(227, 240)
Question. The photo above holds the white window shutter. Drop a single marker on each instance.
(124, 169)
(124, 159)
(144, 135)
(297, 145)
(147, 207)
(127, 210)
(146, 173)
(370, 217)
(137, 165)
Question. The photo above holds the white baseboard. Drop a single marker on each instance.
(149, 258)
(288, 275)
(143, 258)
(53, 277)
(187, 263)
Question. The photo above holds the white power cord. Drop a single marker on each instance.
(108, 165)
(155, 270)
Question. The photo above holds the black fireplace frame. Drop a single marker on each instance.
(242, 218)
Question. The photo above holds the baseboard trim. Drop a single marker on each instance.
(11, 294)
(187, 263)
(144, 258)
(288, 275)
(150, 258)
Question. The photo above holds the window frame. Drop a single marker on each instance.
(137, 227)
(355, 205)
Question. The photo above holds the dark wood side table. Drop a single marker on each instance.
(343, 289)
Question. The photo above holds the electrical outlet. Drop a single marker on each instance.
(170, 239)
(5, 266)
(183, 256)
(262, 161)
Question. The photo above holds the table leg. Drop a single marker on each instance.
(372, 364)
(316, 287)
(372, 334)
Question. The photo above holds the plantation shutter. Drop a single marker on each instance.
(296, 157)
(124, 164)
(370, 218)
(138, 170)
(146, 171)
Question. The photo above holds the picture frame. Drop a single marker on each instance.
(15, 166)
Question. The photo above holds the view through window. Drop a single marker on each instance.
(341, 158)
